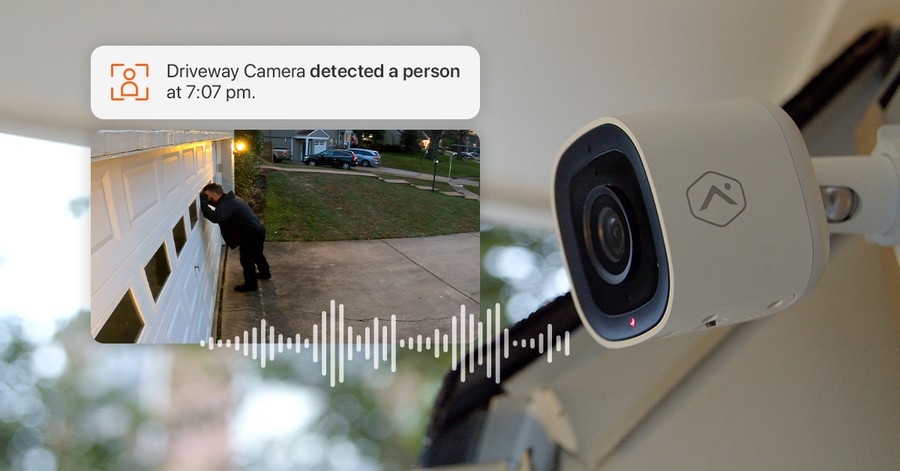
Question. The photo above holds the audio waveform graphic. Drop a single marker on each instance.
(332, 344)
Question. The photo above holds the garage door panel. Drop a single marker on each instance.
(173, 172)
(140, 187)
(172, 330)
(177, 320)
(102, 213)
(194, 161)
(105, 233)
(197, 334)
(170, 309)
(188, 282)
(200, 158)
(205, 160)
(207, 260)
(195, 308)
(169, 298)
(213, 251)
(159, 326)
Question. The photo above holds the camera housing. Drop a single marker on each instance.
(679, 220)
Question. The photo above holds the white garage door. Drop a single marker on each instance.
(154, 258)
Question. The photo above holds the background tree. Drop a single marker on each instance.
(255, 141)
(461, 137)
(434, 145)
(246, 166)
(372, 137)
(410, 140)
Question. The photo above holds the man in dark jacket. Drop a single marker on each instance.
(240, 228)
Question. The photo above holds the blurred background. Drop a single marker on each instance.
(68, 403)
(547, 69)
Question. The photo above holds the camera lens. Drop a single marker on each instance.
(612, 234)
(608, 233)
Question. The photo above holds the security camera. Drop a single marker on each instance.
(680, 220)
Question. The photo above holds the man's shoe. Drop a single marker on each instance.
(266, 276)
(245, 288)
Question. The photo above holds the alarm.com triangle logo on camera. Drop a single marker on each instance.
(716, 199)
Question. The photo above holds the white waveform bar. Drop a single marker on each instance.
(332, 345)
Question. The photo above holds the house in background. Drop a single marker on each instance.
(341, 139)
(281, 139)
(392, 137)
(307, 142)
(380, 138)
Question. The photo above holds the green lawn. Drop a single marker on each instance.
(313, 206)
(461, 167)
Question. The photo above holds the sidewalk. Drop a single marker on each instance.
(421, 176)
(301, 168)
(423, 281)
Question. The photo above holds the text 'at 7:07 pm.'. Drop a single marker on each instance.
(209, 92)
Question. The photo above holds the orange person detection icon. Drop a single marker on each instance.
(129, 88)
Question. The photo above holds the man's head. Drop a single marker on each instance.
(213, 191)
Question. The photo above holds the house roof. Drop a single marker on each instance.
(312, 134)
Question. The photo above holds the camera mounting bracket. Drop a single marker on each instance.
(862, 193)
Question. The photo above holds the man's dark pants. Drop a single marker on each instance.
(252, 257)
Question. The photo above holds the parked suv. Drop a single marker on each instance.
(367, 158)
(334, 157)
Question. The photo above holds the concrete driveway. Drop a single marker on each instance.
(423, 281)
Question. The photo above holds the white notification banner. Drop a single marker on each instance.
(285, 82)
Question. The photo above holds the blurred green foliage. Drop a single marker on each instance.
(246, 166)
(520, 269)
(255, 140)
(61, 418)
(381, 415)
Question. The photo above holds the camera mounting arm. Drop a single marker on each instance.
(862, 194)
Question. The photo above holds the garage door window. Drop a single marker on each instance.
(124, 324)
(158, 271)
(180, 236)
(194, 214)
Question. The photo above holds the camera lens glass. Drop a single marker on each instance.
(608, 232)
(612, 234)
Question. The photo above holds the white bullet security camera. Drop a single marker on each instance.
(679, 220)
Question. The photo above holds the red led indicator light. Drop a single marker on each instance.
(632, 322)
